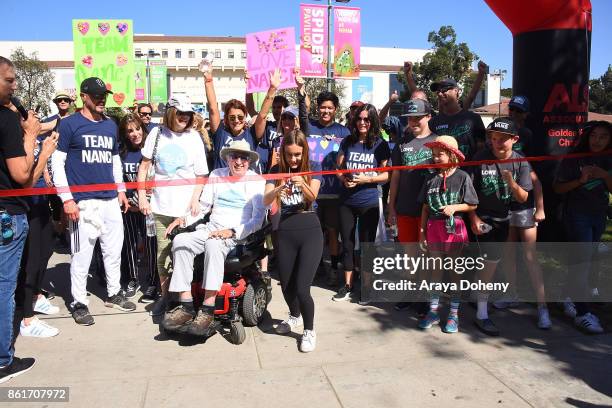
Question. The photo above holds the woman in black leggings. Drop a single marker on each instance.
(300, 240)
(39, 246)
(360, 197)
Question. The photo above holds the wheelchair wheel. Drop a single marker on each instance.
(237, 335)
(254, 303)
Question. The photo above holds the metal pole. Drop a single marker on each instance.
(329, 49)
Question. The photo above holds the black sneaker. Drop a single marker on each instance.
(17, 367)
(344, 293)
(119, 301)
(149, 295)
(80, 314)
(487, 327)
(402, 306)
(131, 289)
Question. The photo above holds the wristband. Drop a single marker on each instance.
(208, 80)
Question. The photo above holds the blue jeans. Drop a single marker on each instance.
(585, 229)
(10, 261)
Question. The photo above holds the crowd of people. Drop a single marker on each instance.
(439, 209)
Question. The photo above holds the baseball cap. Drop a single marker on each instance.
(445, 83)
(180, 102)
(290, 110)
(417, 107)
(503, 125)
(94, 86)
(519, 102)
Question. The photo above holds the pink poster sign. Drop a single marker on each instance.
(347, 42)
(313, 41)
(266, 51)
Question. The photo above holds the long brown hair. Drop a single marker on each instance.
(123, 132)
(198, 125)
(295, 137)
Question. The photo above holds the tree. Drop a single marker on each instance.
(35, 81)
(506, 92)
(447, 59)
(600, 93)
(313, 87)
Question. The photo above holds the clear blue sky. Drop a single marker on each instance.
(385, 23)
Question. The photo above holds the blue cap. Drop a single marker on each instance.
(520, 103)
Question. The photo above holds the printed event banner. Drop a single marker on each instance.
(347, 42)
(104, 49)
(313, 41)
(266, 51)
(159, 82)
(140, 80)
(363, 89)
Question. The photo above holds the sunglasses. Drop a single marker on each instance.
(238, 156)
(145, 113)
(98, 97)
(444, 90)
(181, 113)
(6, 224)
(58, 100)
(366, 120)
(236, 118)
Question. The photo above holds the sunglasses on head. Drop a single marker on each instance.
(67, 100)
(236, 156)
(236, 118)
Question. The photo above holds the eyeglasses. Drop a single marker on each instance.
(444, 90)
(58, 100)
(145, 113)
(366, 120)
(238, 156)
(236, 118)
(6, 224)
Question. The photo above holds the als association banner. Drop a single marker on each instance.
(104, 49)
(313, 41)
(266, 51)
(347, 42)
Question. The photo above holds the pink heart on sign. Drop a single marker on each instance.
(121, 60)
(122, 28)
(312, 144)
(87, 61)
(83, 27)
(103, 28)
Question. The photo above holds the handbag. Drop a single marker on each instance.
(150, 173)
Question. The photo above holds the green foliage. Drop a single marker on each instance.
(117, 113)
(600, 93)
(35, 84)
(506, 92)
(447, 59)
(313, 87)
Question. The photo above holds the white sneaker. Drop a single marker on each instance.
(288, 325)
(544, 322)
(569, 308)
(43, 306)
(37, 328)
(589, 323)
(309, 341)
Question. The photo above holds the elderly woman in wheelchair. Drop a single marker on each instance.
(236, 211)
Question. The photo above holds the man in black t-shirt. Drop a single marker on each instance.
(16, 166)
(465, 126)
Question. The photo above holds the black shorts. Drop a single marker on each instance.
(328, 212)
(492, 243)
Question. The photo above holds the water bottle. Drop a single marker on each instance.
(150, 223)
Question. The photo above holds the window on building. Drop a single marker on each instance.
(151, 51)
(164, 53)
(230, 54)
(191, 53)
(204, 53)
(177, 53)
(137, 52)
(217, 53)
(243, 54)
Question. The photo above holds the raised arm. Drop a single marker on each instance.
(482, 71)
(384, 112)
(409, 78)
(303, 103)
(211, 97)
(260, 122)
